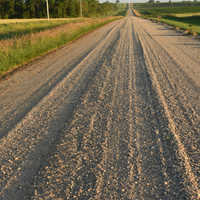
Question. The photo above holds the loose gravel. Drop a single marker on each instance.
(115, 115)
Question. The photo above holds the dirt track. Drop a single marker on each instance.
(115, 115)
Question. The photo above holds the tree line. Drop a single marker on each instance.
(58, 8)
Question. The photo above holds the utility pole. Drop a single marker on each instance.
(81, 8)
(47, 10)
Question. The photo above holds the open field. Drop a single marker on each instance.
(113, 116)
(121, 11)
(22, 40)
(186, 14)
(191, 4)
(183, 17)
(186, 23)
(153, 11)
(18, 50)
(11, 21)
(14, 27)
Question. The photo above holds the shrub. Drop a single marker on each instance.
(192, 32)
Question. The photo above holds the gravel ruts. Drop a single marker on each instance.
(114, 115)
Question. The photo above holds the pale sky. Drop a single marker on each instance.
(137, 1)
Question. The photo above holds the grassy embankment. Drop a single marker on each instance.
(22, 42)
(16, 27)
(184, 17)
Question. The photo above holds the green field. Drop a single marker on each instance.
(185, 17)
(121, 11)
(15, 27)
(154, 11)
(22, 40)
(166, 4)
(186, 23)
(27, 47)
(10, 28)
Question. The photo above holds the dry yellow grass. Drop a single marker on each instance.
(19, 49)
(186, 14)
(10, 21)
(34, 37)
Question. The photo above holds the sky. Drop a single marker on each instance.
(137, 1)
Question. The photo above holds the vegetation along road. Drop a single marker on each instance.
(114, 115)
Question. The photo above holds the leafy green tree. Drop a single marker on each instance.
(72, 9)
(57, 8)
(8, 8)
(18, 9)
(1, 9)
(30, 7)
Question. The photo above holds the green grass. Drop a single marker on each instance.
(122, 6)
(175, 16)
(165, 4)
(168, 10)
(25, 48)
(10, 28)
(121, 11)
(23, 40)
(182, 22)
(16, 27)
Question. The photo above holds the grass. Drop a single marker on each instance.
(121, 11)
(166, 4)
(24, 48)
(186, 17)
(22, 40)
(186, 23)
(167, 10)
(8, 21)
(186, 14)
(10, 28)
(15, 27)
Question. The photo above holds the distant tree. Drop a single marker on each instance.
(8, 8)
(30, 6)
(1, 8)
(57, 8)
(51, 8)
(72, 9)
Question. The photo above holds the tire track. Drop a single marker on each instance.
(51, 118)
(192, 183)
(110, 129)
(29, 86)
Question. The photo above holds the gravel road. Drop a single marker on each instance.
(114, 115)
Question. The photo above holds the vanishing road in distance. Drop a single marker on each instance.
(114, 115)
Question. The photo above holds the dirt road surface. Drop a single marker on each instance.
(114, 115)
